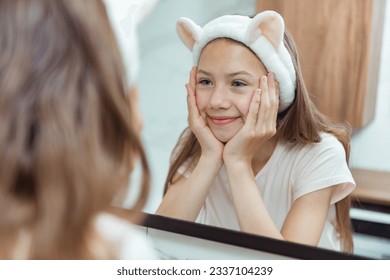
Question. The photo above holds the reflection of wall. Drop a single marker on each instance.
(371, 145)
(339, 52)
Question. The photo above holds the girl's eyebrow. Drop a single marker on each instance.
(201, 71)
(239, 73)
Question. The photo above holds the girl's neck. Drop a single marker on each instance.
(263, 154)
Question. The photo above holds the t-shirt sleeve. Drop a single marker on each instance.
(323, 165)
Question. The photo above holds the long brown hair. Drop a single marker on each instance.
(67, 139)
(300, 123)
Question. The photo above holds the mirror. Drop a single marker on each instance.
(175, 239)
(164, 68)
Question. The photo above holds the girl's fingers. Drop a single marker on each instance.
(273, 89)
(271, 86)
(269, 104)
(252, 116)
(264, 103)
(193, 77)
(274, 97)
(191, 102)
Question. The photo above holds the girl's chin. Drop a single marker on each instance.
(225, 134)
(224, 138)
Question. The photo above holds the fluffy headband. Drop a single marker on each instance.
(263, 34)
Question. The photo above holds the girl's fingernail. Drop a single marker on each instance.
(264, 79)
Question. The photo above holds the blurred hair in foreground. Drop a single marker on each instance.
(68, 143)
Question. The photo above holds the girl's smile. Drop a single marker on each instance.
(221, 120)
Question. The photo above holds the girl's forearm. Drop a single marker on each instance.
(185, 200)
(252, 214)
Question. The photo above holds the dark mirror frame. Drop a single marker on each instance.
(245, 240)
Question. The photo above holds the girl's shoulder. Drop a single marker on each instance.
(327, 142)
(328, 147)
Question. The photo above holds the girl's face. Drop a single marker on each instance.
(227, 77)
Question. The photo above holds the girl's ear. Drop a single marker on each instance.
(188, 31)
(268, 24)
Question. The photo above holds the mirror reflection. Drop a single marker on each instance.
(165, 69)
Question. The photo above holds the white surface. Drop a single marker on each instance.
(181, 247)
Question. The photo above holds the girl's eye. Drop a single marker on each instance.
(205, 82)
(238, 84)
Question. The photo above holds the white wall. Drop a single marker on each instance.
(371, 145)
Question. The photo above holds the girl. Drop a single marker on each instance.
(257, 155)
(67, 134)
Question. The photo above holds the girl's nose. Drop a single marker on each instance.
(219, 99)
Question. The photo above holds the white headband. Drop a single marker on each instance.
(263, 34)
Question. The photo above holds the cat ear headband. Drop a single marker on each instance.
(263, 34)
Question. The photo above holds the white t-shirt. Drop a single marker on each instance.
(127, 241)
(292, 171)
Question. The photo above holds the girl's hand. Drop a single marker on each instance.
(260, 123)
(211, 146)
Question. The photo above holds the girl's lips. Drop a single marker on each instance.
(222, 120)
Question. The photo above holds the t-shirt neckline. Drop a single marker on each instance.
(268, 163)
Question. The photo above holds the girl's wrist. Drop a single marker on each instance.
(237, 165)
(238, 173)
(211, 159)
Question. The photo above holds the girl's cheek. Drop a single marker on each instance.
(246, 105)
(201, 100)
